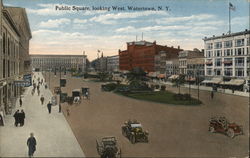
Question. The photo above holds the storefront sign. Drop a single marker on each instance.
(28, 79)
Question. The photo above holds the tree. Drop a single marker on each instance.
(135, 77)
(179, 81)
(103, 75)
(136, 74)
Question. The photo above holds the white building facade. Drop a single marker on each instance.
(227, 55)
(45, 62)
(113, 63)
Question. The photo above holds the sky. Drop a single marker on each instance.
(181, 23)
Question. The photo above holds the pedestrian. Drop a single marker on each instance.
(31, 143)
(38, 86)
(20, 101)
(42, 99)
(16, 116)
(38, 92)
(49, 107)
(22, 117)
(212, 94)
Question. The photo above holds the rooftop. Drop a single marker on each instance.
(227, 35)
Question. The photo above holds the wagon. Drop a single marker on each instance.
(108, 148)
(85, 92)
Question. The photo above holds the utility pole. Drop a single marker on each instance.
(60, 108)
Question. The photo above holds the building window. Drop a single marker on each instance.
(228, 52)
(239, 42)
(228, 44)
(218, 45)
(239, 61)
(248, 43)
(217, 72)
(8, 46)
(209, 72)
(228, 72)
(239, 72)
(218, 62)
(4, 68)
(218, 53)
(8, 68)
(4, 43)
(239, 51)
(209, 54)
(228, 62)
(209, 45)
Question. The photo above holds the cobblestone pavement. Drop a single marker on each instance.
(174, 130)
(52, 132)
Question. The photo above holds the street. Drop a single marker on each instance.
(52, 132)
(174, 130)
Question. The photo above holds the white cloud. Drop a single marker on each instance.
(80, 21)
(111, 17)
(198, 17)
(54, 23)
(125, 29)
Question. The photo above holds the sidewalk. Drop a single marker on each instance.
(205, 88)
(52, 132)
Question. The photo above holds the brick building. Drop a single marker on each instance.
(142, 54)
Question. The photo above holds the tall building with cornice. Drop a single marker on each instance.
(14, 40)
(46, 62)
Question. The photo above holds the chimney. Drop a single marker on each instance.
(179, 47)
(172, 46)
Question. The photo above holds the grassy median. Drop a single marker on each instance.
(165, 97)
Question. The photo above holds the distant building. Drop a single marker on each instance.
(195, 69)
(172, 67)
(14, 54)
(45, 62)
(228, 55)
(113, 63)
(184, 56)
(141, 54)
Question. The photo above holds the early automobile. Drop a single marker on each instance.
(108, 148)
(222, 125)
(85, 92)
(76, 95)
(134, 132)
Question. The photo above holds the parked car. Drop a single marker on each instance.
(134, 132)
(108, 148)
(222, 125)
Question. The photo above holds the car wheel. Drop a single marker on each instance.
(211, 129)
(230, 133)
(132, 139)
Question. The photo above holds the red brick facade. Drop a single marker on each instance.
(142, 54)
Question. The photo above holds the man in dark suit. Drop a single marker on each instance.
(31, 143)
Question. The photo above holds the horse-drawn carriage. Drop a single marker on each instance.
(108, 148)
(85, 92)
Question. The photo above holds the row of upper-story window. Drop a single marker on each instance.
(10, 46)
(228, 44)
(240, 61)
(8, 68)
(227, 52)
(239, 72)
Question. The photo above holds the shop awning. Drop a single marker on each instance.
(191, 79)
(174, 77)
(235, 82)
(151, 74)
(161, 76)
(214, 80)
